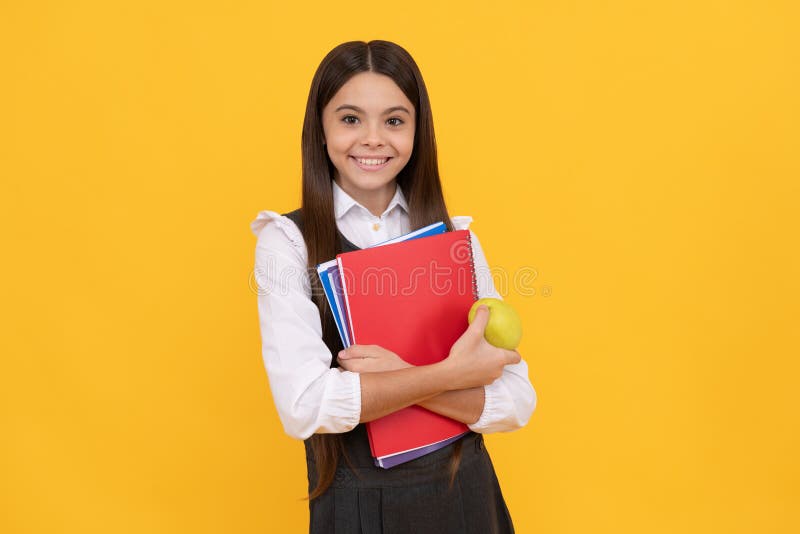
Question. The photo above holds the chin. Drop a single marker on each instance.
(367, 184)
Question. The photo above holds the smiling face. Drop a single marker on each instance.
(369, 131)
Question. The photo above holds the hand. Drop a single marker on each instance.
(473, 361)
(370, 359)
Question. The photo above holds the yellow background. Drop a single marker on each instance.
(642, 157)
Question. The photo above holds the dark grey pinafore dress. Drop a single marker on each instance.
(411, 498)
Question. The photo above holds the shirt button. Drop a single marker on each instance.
(376, 226)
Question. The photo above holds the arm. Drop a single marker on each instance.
(465, 405)
(505, 404)
(309, 396)
(388, 391)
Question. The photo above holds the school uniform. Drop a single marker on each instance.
(312, 396)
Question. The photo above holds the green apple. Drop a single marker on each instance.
(504, 328)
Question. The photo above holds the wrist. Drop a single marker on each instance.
(444, 373)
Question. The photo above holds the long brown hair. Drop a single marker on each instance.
(418, 180)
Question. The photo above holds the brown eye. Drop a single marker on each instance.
(346, 120)
(398, 123)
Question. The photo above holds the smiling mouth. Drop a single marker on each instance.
(371, 164)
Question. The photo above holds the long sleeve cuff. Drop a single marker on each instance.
(492, 409)
(351, 413)
(331, 405)
(508, 405)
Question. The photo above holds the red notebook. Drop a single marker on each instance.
(412, 298)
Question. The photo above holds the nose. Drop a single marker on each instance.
(373, 135)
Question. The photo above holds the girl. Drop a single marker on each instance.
(370, 173)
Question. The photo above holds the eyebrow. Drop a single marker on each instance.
(359, 110)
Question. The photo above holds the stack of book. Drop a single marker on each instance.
(410, 295)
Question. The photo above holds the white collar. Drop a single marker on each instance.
(342, 202)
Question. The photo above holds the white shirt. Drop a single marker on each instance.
(310, 396)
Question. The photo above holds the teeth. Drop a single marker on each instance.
(373, 161)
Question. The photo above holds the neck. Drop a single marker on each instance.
(375, 201)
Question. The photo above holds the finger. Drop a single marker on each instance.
(373, 351)
(478, 324)
(355, 351)
(349, 365)
(358, 351)
(344, 354)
